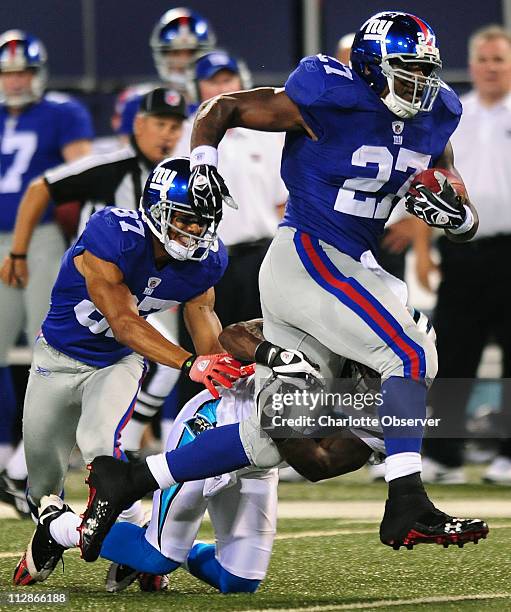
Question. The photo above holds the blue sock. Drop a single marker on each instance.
(403, 398)
(126, 543)
(215, 451)
(203, 565)
(7, 406)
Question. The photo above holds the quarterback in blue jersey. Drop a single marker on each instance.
(356, 137)
(37, 132)
(89, 362)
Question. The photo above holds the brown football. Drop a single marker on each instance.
(428, 179)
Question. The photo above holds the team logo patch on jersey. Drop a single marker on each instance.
(397, 128)
(199, 424)
(152, 283)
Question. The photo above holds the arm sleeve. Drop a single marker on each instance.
(74, 123)
(82, 180)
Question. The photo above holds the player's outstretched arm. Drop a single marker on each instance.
(14, 271)
(447, 161)
(242, 339)
(112, 297)
(202, 323)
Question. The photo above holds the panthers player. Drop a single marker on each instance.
(37, 132)
(355, 138)
(178, 36)
(89, 359)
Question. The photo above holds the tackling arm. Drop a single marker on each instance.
(111, 296)
(202, 323)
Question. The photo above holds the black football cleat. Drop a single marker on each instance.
(119, 577)
(150, 583)
(413, 519)
(43, 553)
(113, 486)
(12, 492)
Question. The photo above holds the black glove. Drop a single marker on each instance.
(443, 209)
(208, 192)
(284, 362)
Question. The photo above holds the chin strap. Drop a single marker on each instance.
(390, 102)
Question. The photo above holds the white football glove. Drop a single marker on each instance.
(285, 362)
(208, 192)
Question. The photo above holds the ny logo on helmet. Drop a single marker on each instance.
(162, 180)
(376, 29)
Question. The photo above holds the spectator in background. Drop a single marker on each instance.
(473, 296)
(37, 132)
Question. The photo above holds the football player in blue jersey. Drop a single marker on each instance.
(179, 35)
(355, 139)
(89, 361)
(37, 132)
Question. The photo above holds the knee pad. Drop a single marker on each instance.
(427, 354)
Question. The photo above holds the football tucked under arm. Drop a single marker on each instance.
(439, 198)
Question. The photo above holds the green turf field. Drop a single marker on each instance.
(317, 564)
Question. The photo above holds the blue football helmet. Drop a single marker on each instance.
(165, 198)
(179, 29)
(21, 51)
(384, 46)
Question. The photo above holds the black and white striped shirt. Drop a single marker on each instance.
(106, 179)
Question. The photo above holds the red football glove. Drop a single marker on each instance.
(221, 368)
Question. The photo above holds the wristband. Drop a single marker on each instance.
(265, 353)
(204, 154)
(188, 363)
(467, 225)
(18, 255)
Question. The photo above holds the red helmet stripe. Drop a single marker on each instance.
(12, 45)
(425, 30)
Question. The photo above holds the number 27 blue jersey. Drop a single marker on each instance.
(344, 185)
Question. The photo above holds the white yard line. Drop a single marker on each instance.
(353, 510)
(371, 605)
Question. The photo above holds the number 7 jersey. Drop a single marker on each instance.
(344, 185)
(73, 324)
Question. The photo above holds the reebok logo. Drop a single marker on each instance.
(42, 371)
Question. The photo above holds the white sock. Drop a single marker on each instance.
(17, 466)
(5, 453)
(165, 426)
(402, 464)
(134, 514)
(64, 529)
(131, 435)
(159, 468)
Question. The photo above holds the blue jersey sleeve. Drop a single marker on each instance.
(128, 115)
(75, 123)
(321, 83)
(105, 236)
(320, 80)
